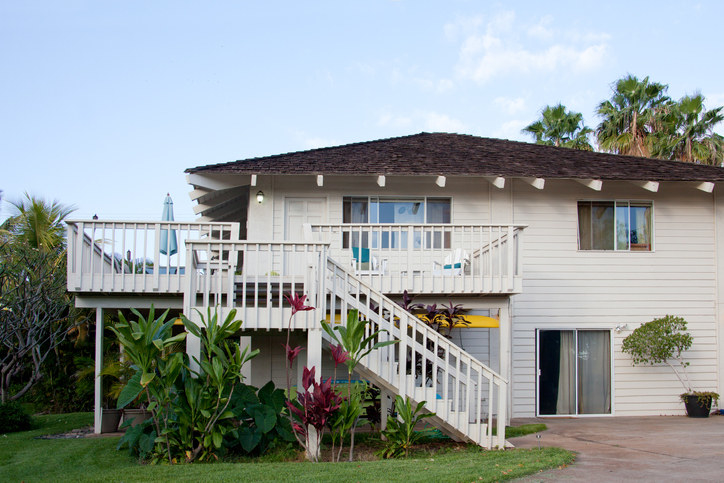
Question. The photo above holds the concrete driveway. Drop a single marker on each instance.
(653, 448)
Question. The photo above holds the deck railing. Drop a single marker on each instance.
(254, 277)
(125, 256)
(429, 258)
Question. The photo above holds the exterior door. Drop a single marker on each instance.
(574, 372)
(297, 212)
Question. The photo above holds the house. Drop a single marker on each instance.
(557, 253)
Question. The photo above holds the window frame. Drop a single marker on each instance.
(615, 202)
(379, 198)
(444, 241)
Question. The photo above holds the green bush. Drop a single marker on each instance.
(13, 418)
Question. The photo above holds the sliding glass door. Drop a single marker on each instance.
(574, 372)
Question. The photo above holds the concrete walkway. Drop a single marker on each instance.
(642, 449)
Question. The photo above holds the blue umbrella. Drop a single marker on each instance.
(168, 241)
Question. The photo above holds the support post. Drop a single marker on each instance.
(387, 400)
(314, 351)
(314, 359)
(506, 337)
(98, 396)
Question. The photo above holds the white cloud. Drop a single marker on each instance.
(510, 105)
(542, 29)
(497, 49)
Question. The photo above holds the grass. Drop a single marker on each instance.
(22, 457)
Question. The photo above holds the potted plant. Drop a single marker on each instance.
(662, 341)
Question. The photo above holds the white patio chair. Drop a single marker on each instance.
(454, 263)
(364, 263)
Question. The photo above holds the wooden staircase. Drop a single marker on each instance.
(467, 397)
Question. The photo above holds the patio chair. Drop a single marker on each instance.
(454, 263)
(364, 263)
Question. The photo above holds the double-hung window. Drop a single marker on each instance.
(615, 225)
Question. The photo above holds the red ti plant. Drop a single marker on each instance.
(314, 410)
(297, 303)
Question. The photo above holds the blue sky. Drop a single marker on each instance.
(104, 104)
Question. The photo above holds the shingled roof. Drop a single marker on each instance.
(442, 154)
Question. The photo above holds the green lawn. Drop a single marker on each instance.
(23, 458)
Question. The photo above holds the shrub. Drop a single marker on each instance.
(661, 341)
(13, 418)
(400, 434)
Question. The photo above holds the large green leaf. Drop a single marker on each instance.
(264, 416)
(131, 391)
(249, 438)
(272, 396)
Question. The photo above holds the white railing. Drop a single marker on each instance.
(431, 258)
(468, 397)
(125, 256)
(254, 277)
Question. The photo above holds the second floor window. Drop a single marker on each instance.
(397, 211)
(615, 225)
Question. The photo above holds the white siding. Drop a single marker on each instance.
(567, 288)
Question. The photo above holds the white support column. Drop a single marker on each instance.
(314, 351)
(506, 337)
(314, 359)
(387, 401)
(98, 396)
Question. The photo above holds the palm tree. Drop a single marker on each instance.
(558, 127)
(688, 133)
(37, 223)
(631, 116)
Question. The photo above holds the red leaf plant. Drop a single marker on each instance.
(315, 408)
(292, 353)
(297, 303)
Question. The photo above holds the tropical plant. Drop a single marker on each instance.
(687, 133)
(631, 116)
(316, 405)
(262, 417)
(400, 434)
(357, 344)
(38, 223)
(189, 407)
(559, 127)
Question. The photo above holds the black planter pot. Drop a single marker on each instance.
(697, 406)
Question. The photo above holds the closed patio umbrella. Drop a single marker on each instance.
(168, 245)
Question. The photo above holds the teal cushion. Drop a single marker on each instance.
(365, 254)
(448, 267)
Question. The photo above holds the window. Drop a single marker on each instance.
(615, 225)
(397, 211)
